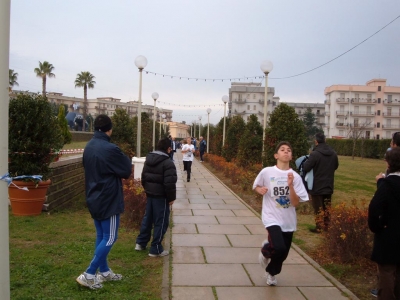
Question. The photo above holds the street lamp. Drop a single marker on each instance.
(225, 99)
(141, 63)
(199, 125)
(208, 129)
(163, 117)
(165, 124)
(160, 113)
(155, 97)
(266, 66)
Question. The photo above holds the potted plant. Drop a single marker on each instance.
(34, 136)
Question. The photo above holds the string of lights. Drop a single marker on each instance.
(192, 105)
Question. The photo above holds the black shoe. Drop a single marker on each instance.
(374, 292)
(188, 180)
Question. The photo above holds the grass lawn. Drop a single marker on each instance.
(49, 251)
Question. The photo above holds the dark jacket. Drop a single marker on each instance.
(203, 145)
(384, 221)
(323, 161)
(105, 164)
(159, 176)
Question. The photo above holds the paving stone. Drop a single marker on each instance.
(227, 206)
(247, 241)
(203, 240)
(259, 293)
(243, 213)
(199, 196)
(326, 293)
(235, 202)
(187, 255)
(184, 228)
(291, 275)
(195, 219)
(182, 212)
(209, 275)
(222, 229)
(231, 255)
(179, 205)
(192, 293)
(211, 212)
(257, 229)
(239, 220)
(203, 201)
(294, 258)
(193, 191)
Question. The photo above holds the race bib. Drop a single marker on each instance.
(279, 191)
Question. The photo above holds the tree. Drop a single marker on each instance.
(309, 121)
(62, 121)
(12, 79)
(284, 125)
(45, 70)
(85, 80)
(146, 133)
(356, 131)
(233, 136)
(123, 132)
(250, 145)
(216, 136)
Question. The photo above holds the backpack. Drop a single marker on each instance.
(308, 178)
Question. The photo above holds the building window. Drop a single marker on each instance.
(342, 96)
(254, 107)
(390, 98)
(357, 96)
(378, 125)
(369, 97)
(341, 132)
(379, 100)
(248, 96)
(379, 88)
(367, 135)
(248, 107)
(377, 136)
(254, 96)
(378, 113)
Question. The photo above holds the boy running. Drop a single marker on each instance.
(282, 190)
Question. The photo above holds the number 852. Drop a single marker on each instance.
(281, 191)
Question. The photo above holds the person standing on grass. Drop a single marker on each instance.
(202, 148)
(159, 182)
(324, 161)
(282, 190)
(104, 164)
(188, 154)
(384, 222)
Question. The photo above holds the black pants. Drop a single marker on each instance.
(187, 165)
(389, 282)
(277, 248)
(157, 214)
(201, 155)
(322, 203)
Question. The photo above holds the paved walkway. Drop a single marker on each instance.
(216, 239)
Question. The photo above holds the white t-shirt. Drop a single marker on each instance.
(188, 156)
(276, 207)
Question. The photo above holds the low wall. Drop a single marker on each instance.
(68, 182)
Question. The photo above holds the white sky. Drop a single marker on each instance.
(203, 39)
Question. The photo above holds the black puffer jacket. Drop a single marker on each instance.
(384, 221)
(323, 161)
(105, 164)
(159, 176)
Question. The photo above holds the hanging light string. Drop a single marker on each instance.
(286, 77)
(192, 105)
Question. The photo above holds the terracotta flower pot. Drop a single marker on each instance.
(28, 203)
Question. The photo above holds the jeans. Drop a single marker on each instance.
(157, 214)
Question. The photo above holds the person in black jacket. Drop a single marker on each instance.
(104, 164)
(159, 182)
(202, 148)
(384, 222)
(323, 161)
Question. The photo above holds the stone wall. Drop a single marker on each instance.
(68, 182)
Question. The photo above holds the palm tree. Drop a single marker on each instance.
(12, 79)
(45, 70)
(85, 80)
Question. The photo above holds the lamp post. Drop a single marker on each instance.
(199, 125)
(225, 99)
(163, 118)
(141, 63)
(160, 112)
(266, 66)
(165, 124)
(155, 97)
(208, 129)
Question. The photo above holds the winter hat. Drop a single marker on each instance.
(102, 123)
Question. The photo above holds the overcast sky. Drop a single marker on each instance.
(211, 39)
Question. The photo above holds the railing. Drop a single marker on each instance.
(362, 113)
(363, 100)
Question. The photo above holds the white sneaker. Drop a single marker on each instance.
(111, 276)
(139, 248)
(271, 280)
(90, 283)
(263, 260)
(164, 253)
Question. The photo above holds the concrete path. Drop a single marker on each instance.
(216, 239)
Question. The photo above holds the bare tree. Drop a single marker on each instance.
(356, 131)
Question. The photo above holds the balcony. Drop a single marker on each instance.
(390, 126)
(391, 114)
(236, 112)
(342, 100)
(362, 113)
(341, 124)
(341, 113)
(363, 101)
(391, 102)
(239, 100)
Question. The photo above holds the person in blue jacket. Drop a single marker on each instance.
(104, 164)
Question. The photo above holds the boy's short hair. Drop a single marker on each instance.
(320, 138)
(396, 138)
(393, 159)
(163, 145)
(282, 144)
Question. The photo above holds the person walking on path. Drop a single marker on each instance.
(104, 165)
(188, 154)
(159, 181)
(173, 148)
(384, 222)
(324, 162)
(282, 190)
(202, 148)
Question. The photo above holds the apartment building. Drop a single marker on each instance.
(372, 109)
(247, 98)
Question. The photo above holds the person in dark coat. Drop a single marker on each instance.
(202, 148)
(104, 164)
(323, 161)
(384, 222)
(159, 182)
